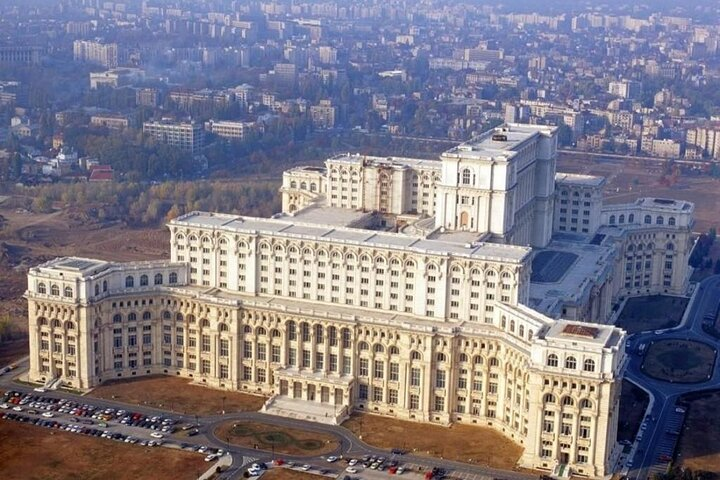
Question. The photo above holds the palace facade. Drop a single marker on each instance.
(433, 291)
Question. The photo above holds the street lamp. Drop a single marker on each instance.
(223, 405)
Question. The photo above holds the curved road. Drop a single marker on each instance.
(664, 394)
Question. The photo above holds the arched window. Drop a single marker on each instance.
(589, 365)
(55, 290)
(463, 358)
(493, 362)
(191, 318)
(117, 318)
(319, 334)
(631, 218)
(42, 321)
(69, 326)
(585, 403)
(178, 317)
(41, 288)
(521, 331)
(549, 398)
(147, 315)
(415, 355)
(466, 175)
(275, 333)
(477, 360)
(260, 331)
(129, 282)
(660, 220)
(56, 323)
(247, 329)
(670, 246)
(612, 219)
(105, 286)
(552, 360)
(132, 317)
(568, 401)
(362, 346)
(394, 350)
(648, 219)
(143, 280)
(621, 219)
(158, 279)
(224, 327)
(377, 348)
(205, 323)
(512, 326)
(172, 278)
(97, 289)
(441, 357)
(671, 221)
(571, 363)
(293, 184)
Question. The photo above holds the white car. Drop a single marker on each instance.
(4, 406)
(48, 414)
(351, 470)
(253, 472)
(156, 435)
(211, 457)
(353, 462)
(18, 408)
(332, 458)
(305, 467)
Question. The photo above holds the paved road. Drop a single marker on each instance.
(646, 460)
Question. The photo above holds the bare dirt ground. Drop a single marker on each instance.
(464, 443)
(178, 395)
(628, 180)
(281, 440)
(287, 474)
(34, 453)
(699, 447)
(28, 239)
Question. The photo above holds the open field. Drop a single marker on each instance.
(34, 453)
(654, 312)
(281, 440)
(633, 402)
(178, 395)
(679, 361)
(629, 179)
(464, 443)
(699, 446)
(13, 350)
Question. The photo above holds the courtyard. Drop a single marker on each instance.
(655, 312)
(278, 439)
(679, 361)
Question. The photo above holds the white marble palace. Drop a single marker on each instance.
(473, 289)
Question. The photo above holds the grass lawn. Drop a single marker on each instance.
(679, 361)
(633, 402)
(178, 395)
(699, 447)
(34, 453)
(464, 443)
(655, 312)
(288, 441)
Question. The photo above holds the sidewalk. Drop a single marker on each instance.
(223, 462)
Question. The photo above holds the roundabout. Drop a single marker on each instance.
(679, 361)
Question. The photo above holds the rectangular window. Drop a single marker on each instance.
(224, 347)
(439, 403)
(414, 377)
(205, 347)
(261, 351)
(379, 369)
(363, 367)
(275, 354)
(392, 397)
(394, 372)
(247, 349)
(440, 379)
(414, 402)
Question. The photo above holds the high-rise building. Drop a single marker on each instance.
(97, 52)
(187, 136)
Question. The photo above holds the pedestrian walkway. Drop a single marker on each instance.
(223, 462)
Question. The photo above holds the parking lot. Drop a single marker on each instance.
(106, 423)
(665, 448)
